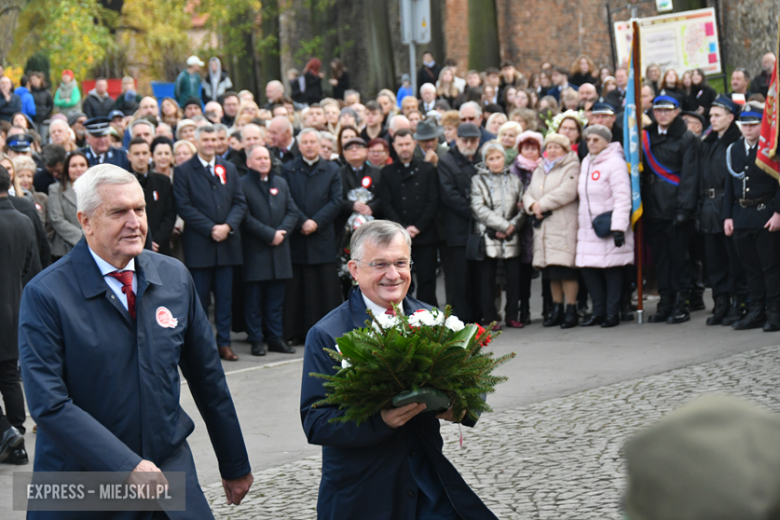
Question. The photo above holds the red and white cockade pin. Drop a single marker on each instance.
(165, 319)
(274, 191)
(366, 182)
(220, 172)
(155, 195)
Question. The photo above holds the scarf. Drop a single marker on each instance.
(510, 155)
(549, 165)
(528, 164)
(66, 89)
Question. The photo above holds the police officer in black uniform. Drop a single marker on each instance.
(750, 209)
(99, 149)
(724, 270)
(670, 192)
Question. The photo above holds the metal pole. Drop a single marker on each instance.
(635, 57)
(413, 65)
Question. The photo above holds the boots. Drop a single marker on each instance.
(737, 311)
(612, 320)
(772, 317)
(663, 309)
(555, 317)
(525, 312)
(592, 320)
(572, 317)
(696, 301)
(680, 311)
(754, 319)
(720, 311)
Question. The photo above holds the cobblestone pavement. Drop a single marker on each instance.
(557, 459)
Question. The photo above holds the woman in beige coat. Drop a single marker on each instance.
(495, 194)
(551, 199)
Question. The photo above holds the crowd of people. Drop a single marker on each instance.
(498, 178)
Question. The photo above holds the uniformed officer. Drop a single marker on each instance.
(409, 191)
(670, 190)
(727, 279)
(750, 208)
(99, 149)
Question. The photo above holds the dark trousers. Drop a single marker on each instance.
(526, 277)
(13, 398)
(312, 292)
(488, 288)
(699, 272)
(424, 258)
(605, 287)
(724, 268)
(218, 280)
(758, 253)
(264, 301)
(463, 277)
(670, 246)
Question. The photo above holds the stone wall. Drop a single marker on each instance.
(749, 31)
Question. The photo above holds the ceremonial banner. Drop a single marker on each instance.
(767, 157)
(631, 144)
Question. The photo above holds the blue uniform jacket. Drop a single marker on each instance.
(371, 470)
(203, 201)
(115, 156)
(104, 390)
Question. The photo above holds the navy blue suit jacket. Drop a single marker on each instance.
(202, 201)
(372, 467)
(104, 388)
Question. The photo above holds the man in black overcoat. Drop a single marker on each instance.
(158, 193)
(17, 243)
(211, 202)
(270, 220)
(314, 289)
(357, 173)
(409, 189)
(280, 138)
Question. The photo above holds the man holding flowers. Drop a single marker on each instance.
(390, 466)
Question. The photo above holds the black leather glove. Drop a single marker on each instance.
(680, 219)
(620, 238)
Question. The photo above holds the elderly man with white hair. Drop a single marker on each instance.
(280, 138)
(103, 338)
(144, 129)
(471, 112)
(427, 98)
(274, 91)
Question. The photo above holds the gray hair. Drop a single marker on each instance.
(428, 86)
(329, 137)
(250, 125)
(208, 129)
(393, 124)
(141, 122)
(471, 104)
(219, 127)
(380, 233)
(86, 187)
(351, 92)
(492, 146)
(308, 130)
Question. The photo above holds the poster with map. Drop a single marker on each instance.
(679, 41)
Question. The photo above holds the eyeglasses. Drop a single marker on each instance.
(381, 267)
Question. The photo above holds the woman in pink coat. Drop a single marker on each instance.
(604, 186)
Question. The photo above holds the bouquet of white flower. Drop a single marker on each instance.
(430, 357)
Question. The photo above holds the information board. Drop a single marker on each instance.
(680, 41)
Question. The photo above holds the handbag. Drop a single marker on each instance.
(475, 244)
(602, 224)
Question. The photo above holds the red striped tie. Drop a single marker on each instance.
(391, 312)
(126, 278)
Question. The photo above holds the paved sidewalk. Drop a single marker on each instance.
(556, 459)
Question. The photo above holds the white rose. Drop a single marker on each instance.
(454, 324)
(345, 363)
(422, 318)
(386, 321)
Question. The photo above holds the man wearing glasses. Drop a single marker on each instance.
(471, 112)
(392, 465)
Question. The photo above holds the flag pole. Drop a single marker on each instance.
(639, 237)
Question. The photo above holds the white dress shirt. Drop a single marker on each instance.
(208, 165)
(112, 282)
(378, 309)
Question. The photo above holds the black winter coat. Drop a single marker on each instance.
(700, 97)
(313, 92)
(17, 240)
(44, 104)
(94, 106)
(677, 150)
(713, 178)
(428, 75)
(756, 184)
(10, 107)
(238, 158)
(202, 201)
(128, 108)
(342, 86)
(455, 173)
(317, 194)
(288, 156)
(160, 208)
(270, 208)
(351, 180)
(43, 250)
(411, 197)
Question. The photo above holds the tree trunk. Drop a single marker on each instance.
(270, 65)
(379, 47)
(484, 50)
(679, 6)
(437, 31)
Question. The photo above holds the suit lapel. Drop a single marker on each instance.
(70, 196)
(198, 167)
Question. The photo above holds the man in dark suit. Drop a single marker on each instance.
(392, 465)
(211, 202)
(99, 149)
(314, 289)
(280, 138)
(409, 190)
(102, 336)
(17, 237)
(270, 218)
(42, 257)
(357, 173)
(158, 192)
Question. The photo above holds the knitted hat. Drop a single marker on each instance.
(530, 135)
(601, 131)
(559, 139)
